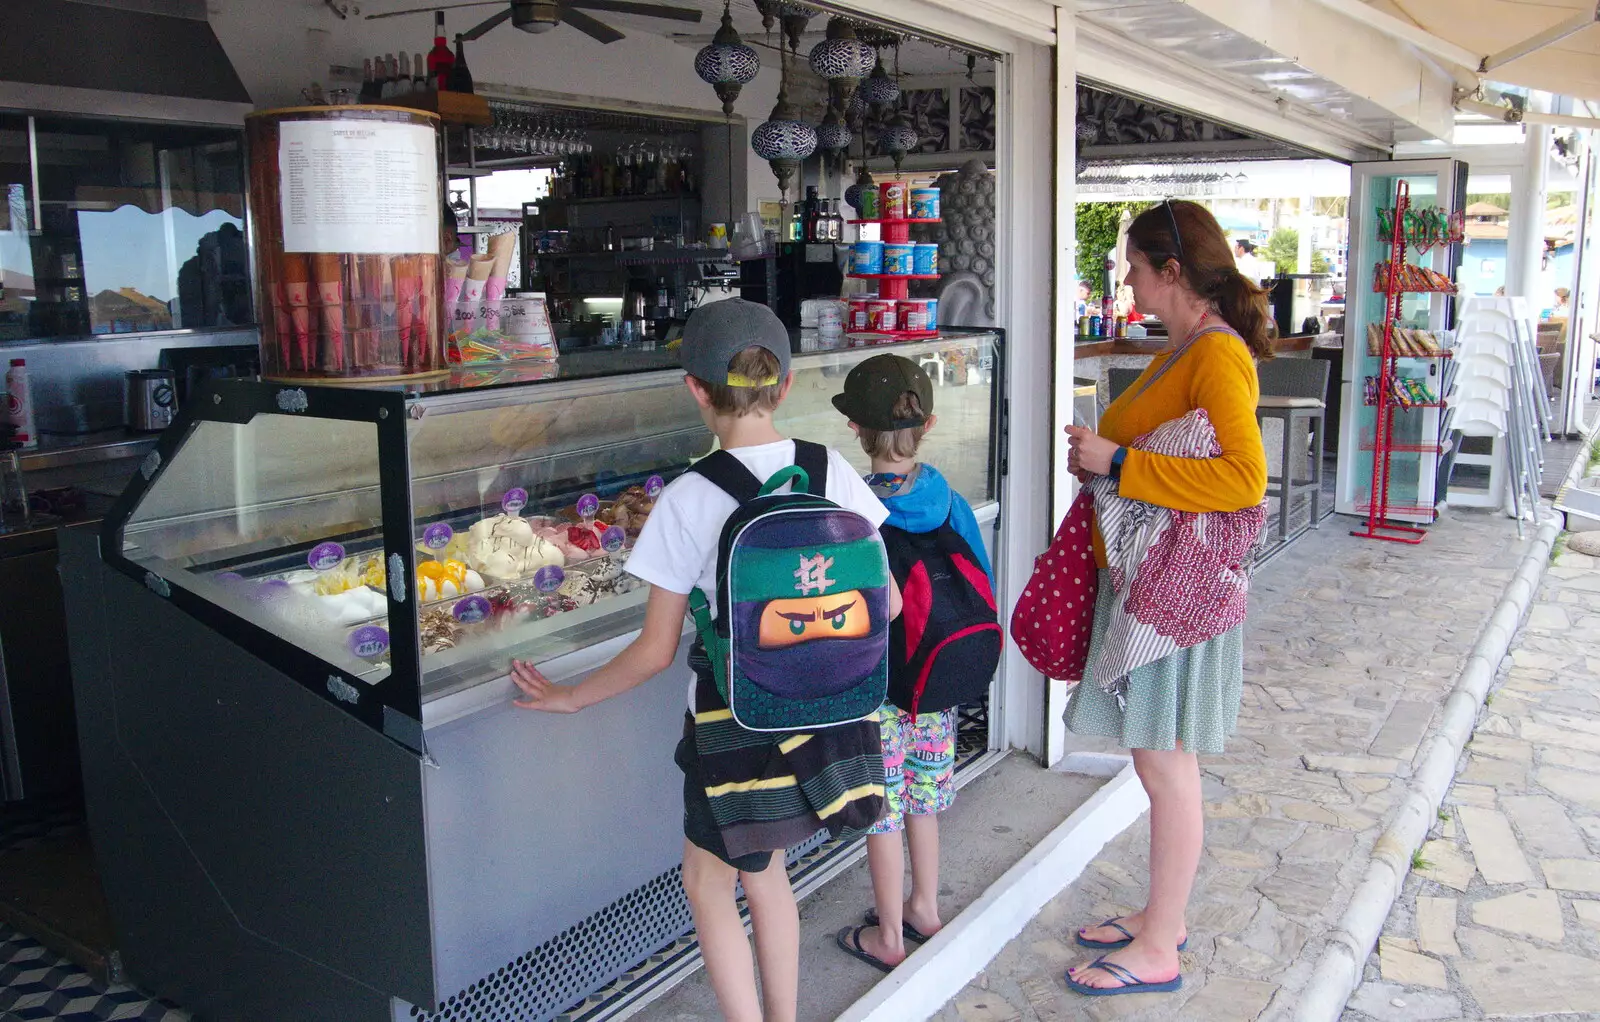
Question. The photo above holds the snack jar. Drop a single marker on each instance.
(892, 200)
(883, 314)
(925, 260)
(914, 314)
(924, 203)
(867, 257)
(933, 313)
(857, 319)
(898, 259)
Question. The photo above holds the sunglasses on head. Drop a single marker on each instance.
(1177, 238)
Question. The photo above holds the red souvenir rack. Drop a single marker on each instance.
(1383, 445)
(893, 285)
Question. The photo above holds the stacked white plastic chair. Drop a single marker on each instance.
(1499, 393)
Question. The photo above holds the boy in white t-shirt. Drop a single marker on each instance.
(736, 355)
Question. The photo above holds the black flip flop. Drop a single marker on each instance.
(1115, 945)
(907, 931)
(849, 941)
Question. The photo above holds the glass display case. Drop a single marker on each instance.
(389, 547)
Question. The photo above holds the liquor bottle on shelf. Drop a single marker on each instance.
(370, 90)
(386, 77)
(812, 215)
(460, 76)
(419, 74)
(797, 223)
(835, 222)
(402, 81)
(440, 59)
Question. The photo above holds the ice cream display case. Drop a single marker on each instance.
(308, 790)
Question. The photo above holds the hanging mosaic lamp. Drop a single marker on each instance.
(898, 139)
(769, 14)
(783, 139)
(794, 18)
(843, 60)
(880, 89)
(863, 181)
(833, 132)
(727, 65)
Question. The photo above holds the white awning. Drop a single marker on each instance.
(1550, 46)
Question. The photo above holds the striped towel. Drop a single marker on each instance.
(1178, 578)
(774, 790)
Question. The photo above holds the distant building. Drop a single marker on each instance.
(126, 310)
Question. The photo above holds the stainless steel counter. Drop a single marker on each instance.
(87, 449)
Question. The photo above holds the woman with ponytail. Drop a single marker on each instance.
(1186, 702)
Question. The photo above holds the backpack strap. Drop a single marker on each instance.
(729, 475)
(814, 459)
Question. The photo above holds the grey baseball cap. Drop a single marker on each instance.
(717, 332)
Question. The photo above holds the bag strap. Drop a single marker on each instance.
(729, 475)
(813, 458)
(1200, 330)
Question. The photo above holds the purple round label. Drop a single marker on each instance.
(548, 578)
(369, 641)
(271, 591)
(653, 486)
(613, 539)
(514, 501)
(437, 536)
(230, 578)
(588, 505)
(470, 610)
(324, 556)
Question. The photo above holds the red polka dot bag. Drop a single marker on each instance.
(1054, 617)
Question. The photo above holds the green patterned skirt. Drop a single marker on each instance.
(1191, 696)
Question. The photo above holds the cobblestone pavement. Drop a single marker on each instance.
(1351, 645)
(1501, 914)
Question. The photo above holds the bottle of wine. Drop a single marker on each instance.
(460, 76)
(402, 81)
(369, 84)
(440, 59)
(419, 74)
(835, 222)
(813, 220)
(391, 76)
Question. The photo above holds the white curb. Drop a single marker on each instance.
(937, 971)
(1339, 967)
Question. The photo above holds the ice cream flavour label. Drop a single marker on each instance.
(653, 486)
(437, 536)
(514, 501)
(588, 505)
(613, 539)
(369, 641)
(325, 556)
(470, 610)
(548, 578)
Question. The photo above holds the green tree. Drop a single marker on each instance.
(1097, 224)
(1319, 262)
(1283, 249)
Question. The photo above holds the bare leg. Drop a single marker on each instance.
(708, 881)
(922, 908)
(777, 927)
(1177, 831)
(886, 859)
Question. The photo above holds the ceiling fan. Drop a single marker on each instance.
(542, 15)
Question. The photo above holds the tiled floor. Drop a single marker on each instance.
(36, 983)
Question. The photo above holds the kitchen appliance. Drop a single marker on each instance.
(802, 270)
(150, 399)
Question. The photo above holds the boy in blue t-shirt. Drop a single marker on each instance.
(889, 401)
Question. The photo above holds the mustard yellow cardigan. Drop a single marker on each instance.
(1218, 374)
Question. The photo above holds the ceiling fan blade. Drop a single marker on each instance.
(629, 7)
(435, 7)
(478, 30)
(590, 27)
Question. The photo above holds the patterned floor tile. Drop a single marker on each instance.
(38, 986)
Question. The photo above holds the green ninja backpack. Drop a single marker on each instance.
(801, 637)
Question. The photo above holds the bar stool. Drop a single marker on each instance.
(1294, 391)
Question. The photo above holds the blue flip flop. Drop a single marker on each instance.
(1116, 945)
(1130, 984)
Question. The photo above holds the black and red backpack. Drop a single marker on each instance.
(944, 648)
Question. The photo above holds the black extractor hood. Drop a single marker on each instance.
(155, 59)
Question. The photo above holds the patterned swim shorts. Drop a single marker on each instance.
(919, 765)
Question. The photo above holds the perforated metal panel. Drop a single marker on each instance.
(567, 968)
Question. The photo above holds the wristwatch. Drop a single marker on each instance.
(1117, 459)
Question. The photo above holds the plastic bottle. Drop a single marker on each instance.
(19, 404)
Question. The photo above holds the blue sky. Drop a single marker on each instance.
(127, 247)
